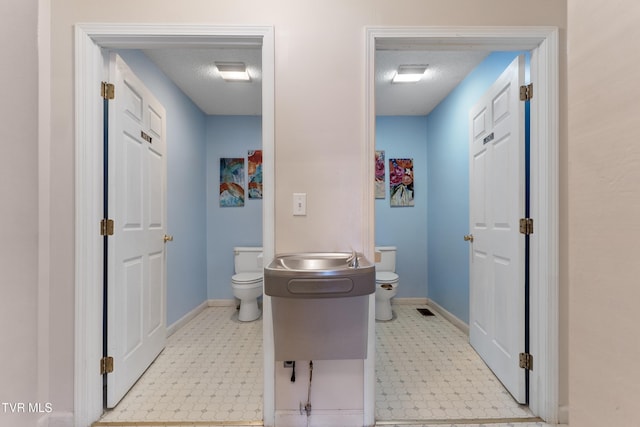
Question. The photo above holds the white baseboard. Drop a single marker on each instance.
(56, 419)
(563, 414)
(320, 418)
(450, 317)
(413, 301)
(43, 421)
(185, 319)
(221, 302)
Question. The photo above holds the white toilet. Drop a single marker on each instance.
(247, 282)
(386, 281)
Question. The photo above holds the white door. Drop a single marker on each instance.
(497, 187)
(136, 252)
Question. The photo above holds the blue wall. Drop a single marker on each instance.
(200, 259)
(229, 136)
(448, 186)
(186, 178)
(200, 264)
(437, 266)
(405, 227)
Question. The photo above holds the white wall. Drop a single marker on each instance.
(320, 140)
(604, 207)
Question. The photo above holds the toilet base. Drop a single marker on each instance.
(383, 309)
(249, 310)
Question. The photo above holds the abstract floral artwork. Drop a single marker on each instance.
(255, 174)
(380, 188)
(231, 182)
(401, 182)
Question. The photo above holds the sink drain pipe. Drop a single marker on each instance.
(307, 407)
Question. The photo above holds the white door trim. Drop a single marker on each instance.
(544, 182)
(89, 72)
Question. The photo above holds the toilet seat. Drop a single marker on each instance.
(245, 279)
(386, 277)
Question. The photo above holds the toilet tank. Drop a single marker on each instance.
(387, 258)
(247, 259)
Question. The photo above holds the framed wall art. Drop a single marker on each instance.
(380, 175)
(231, 182)
(255, 173)
(401, 182)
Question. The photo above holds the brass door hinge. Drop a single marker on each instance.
(107, 91)
(526, 361)
(526, 226)
(526, 92)
(106, 227)
(106, 365)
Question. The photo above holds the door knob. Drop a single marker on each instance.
(468, 238)
(168, 238)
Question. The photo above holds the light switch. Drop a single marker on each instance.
(299, 203)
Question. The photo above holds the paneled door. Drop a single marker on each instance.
(497, 192)
(136, 266)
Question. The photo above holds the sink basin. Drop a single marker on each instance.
(319, 275)
(320, 304)
(328, 262)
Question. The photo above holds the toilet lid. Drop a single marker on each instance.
(386, 277)
(246, 278)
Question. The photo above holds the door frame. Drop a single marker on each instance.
(90, 39)
(544, 261)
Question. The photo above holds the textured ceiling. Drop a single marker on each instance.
(192, 71)
(445, 69)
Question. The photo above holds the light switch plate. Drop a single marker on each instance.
(299, 204)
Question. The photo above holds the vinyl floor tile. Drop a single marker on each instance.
(425, 369)
(211, 374)
(210, 370)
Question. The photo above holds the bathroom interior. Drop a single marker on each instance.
(426, 234)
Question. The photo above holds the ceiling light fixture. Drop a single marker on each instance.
(409, 73)
(233, 71)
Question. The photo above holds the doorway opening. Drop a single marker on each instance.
(91, 40)
(428, 234)
(542, 43)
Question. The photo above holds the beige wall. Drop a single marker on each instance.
(18, 208)
(319, 129)
(604, 207)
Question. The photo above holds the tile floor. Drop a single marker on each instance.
(210, 374)
(426, 370)
(210, 370)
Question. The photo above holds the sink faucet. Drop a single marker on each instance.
(353, 260)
